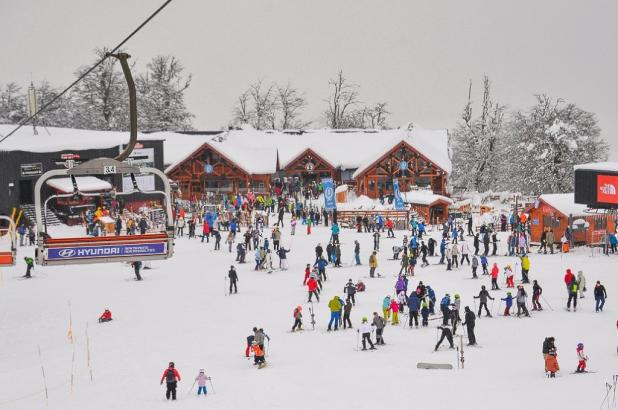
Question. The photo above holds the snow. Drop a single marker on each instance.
(565, 204)
(598, 166)
(84, 184)
(341, 188)
(424, 197)
(179, 313)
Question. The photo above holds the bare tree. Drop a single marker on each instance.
(376, 116)
(290, 103)
(265, 105)
(242, 112)
(342, 100)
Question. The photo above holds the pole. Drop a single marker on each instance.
(212, 386)
(44, 378)
(70, 331)
(546, 302)
(191, 388)
(88, 352)
(357, 340)
(225, 285)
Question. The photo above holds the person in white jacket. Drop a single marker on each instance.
(581, 281)
(365, 330)
(465, 251)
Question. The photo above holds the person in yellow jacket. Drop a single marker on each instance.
(525, 268)
(373, 264)
(335, 312)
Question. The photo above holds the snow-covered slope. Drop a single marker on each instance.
(180, 313)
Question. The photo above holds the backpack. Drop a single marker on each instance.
(169, 376)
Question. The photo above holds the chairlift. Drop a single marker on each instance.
(105, 249)
(8, 258)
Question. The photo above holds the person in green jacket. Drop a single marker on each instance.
(573, 289)
(335, 312)
(525, 268)
(29, 266)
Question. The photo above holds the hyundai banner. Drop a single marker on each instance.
(105, 251)
(398, 199)
(329, 194)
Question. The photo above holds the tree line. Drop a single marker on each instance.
(100, 100)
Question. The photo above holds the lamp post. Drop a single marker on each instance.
(32, 106)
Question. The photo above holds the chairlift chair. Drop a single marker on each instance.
(8, 258)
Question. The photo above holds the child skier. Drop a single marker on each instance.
(508, 272)
(551, 363)
(259, 354)
(394, 311)
(298, 318)
(425, 312)
(581, 356)
(509, 303)
(386, 308)
(201, 379)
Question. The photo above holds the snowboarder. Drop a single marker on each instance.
(483, 296)
(581, 356)
(29, 266)
(379, 324)
(469, 322)
(599, 296)
(298, 318)
(201, 380)
(446, 333)
(233, 275)
(509, 303)
(365, 330)
(171, 377)
(537, 291)
(106, 316)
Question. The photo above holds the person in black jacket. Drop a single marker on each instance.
(483, 296)
(537, 290)
(476, 244)
(446, 333)
(486, 243)
(548, 344)
(347, 309)
(350, 291)
(599, 296)
(233, 279)
(469, 322)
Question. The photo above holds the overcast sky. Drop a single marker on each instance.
(416, 55)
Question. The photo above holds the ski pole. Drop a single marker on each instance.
(357, 340)
(225, 286)
(546, 302)
(212, 386)
(191, 388)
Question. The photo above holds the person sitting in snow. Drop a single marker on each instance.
(551, 363)
(106, 316)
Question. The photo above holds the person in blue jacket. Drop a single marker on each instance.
(321, 264)
(335, 232)
(613, 242)
(484, 264)
(509, 303)
(414, 305)
(421, 230)
(432, 300)
(442, 251)
(444, 308)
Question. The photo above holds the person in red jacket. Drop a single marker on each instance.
(494, 277)
(307, 273)
(171, 377)
(312, 286)
(568, 278)
(389, 227)
(106, 316)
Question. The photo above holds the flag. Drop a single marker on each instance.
(329, 194)
(398, 199)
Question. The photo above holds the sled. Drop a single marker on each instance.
(428, 366)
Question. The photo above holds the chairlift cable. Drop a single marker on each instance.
(81, 77)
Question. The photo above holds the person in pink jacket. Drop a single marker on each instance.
(394, 311)
(201, 380)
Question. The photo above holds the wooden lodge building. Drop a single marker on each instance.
(249, 160)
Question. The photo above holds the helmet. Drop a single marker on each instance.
(201, 370)
(508, 293)
(482, 286)
(456, 295)
(580, 345)
(364, 319)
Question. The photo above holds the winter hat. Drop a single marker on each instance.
(580, 345)
(364, 319)
(201, 370)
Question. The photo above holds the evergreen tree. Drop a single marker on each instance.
(12, 104)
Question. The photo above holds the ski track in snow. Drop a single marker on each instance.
(180, 313)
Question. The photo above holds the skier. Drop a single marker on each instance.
(260, 336)
(376, 240)
(465, 251)
(201, 379)
(446, 333)
(456, 305)
(365, 330)
(373, 264)
(432, 300)
(581, 283)
(298, 318)
(476, 244)
(29, 266)
(573, 288)
(444, 308)
(469, 322)
(425, 312)
(335, 312)
(581, 356)
(357, 253)
(386, 308)
(475, 265)
(548, 344)
(521, 301)
(379, 324)
(258, 354)
(424, 255)
(350, 291)
(551, 363)
(537, 290)
(509, 303)
(171, 377)
(599, 296)
(312, 286)
(525, 268)
(484, 264)
(394, 309)
(106, 316)
(494, 277)
(483, 296)
(283, 258)
(414, 305)
(508, 272)
(347, 309)
(568, 278)
(233, 279)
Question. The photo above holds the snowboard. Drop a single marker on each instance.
(429, 366)
(584, 372)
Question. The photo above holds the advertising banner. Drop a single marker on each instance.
(398, 199)
(607, 189)
(329, 194)
(105, 251)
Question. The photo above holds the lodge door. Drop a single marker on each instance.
(26, 192)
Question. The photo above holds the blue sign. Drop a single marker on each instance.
(208, 168)
(105, 251)
(403, 165)
(398, 199)
(329, 194)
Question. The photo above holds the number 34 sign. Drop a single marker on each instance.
(109, 169)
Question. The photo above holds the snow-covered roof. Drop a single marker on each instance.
(427, 198)
(256, 151)
(598, 166)
(84, 184)
(564, 203)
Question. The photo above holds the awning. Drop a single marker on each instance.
(84, 184)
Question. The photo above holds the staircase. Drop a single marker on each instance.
(50, 217)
